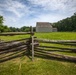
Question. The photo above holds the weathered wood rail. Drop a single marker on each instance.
(6, 42)
(55, 41)
(71, 49)
(14, 33)
(11, 45)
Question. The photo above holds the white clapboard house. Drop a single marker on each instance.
(45, 27)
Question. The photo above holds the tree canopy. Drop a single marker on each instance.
(3, 28)
(68, 24)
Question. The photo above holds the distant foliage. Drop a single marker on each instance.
(13, 29)
(68, 24)
(3, 28)
(25, 29)
(22, 29)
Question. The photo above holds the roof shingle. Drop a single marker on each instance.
(43, 24)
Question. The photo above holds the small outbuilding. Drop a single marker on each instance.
(45, 27)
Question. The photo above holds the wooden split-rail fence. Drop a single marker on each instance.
(34, 47)
(10, 44)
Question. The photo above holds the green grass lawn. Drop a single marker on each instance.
(42, 65)
(24, 66)
(57, 35)
(52, 36)
(16, 37)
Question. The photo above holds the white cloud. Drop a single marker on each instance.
(59, 5)
(15, 7)
(62, 8)
(13, 11)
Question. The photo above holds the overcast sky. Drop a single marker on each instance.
(18, 13)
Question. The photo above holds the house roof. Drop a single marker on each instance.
(43, 24)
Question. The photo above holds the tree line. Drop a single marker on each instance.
(5, 28)
(68, 24)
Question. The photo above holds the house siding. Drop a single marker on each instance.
(43, 29)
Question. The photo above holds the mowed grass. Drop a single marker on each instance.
(52, 36)
(41, 65)
(16, 37)
(57, 35)
(24, 66)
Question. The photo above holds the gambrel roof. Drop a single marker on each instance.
(43, 24)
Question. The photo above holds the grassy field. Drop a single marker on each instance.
(42, 65)
(57, 35)
(52, 36)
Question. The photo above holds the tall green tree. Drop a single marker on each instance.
(68, 24)
(3, 28)
(25, 29)
(1, 23)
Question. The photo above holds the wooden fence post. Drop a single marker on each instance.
(32, 43)
(32, 48)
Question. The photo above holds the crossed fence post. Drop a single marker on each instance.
(32, 42)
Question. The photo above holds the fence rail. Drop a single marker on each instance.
(14, 33)
(73, 49)
(2, 42)
(55, 41)
(11, 45)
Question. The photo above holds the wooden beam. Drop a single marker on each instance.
(74, 49)
(14, 33)
(11, 45)
(55, 41)
(32, 40)
(32, 48)
(13, 41)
